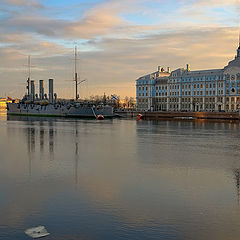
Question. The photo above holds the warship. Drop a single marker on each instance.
(49, 105)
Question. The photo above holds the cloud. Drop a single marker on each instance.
(114, 48)
(24, 3)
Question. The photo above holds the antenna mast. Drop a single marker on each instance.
(29, 75)
(76, 75)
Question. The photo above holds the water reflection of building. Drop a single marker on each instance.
(3, 103)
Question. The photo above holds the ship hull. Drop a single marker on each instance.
(58, 110)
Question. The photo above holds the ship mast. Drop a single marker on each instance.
(29, 76)
(76, 75)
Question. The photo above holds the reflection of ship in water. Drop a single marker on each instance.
(237, 182)
(40, 141)
(76, 156)
(32, 133)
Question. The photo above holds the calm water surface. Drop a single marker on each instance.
(119, 179)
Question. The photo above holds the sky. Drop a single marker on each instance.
(117, 40)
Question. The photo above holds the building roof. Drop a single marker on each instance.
(203, 72)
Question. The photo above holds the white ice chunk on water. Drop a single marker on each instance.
(37, 232)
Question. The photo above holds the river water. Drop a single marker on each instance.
(119, 179)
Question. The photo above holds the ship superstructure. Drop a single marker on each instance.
(49, 105)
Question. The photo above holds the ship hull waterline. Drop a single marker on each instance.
(62, 111)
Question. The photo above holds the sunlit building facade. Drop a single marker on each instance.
(186, 90)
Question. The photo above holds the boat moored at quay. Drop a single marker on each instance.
(42, 105)
(49, 105)
(59, 109)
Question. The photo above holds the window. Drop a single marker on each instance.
(206, 92)
(201, 85)
(206, 85)
(213, 92)
(214, 85)
(210, 85)
(146, 88)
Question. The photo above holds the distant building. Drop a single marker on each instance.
(186, 90)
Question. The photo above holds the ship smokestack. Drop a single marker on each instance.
(41, 89)
(50, 87)
(32, 95)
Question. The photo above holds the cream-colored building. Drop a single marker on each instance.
(186, 90)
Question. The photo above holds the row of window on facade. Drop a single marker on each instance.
(143, 94)
(143, 100)
(142, 88)
(196, 93)
(207, 107)
(161, 88)
(200, 93)
(188, 86)
(220, 85)
(200, 100)
(199, 79)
